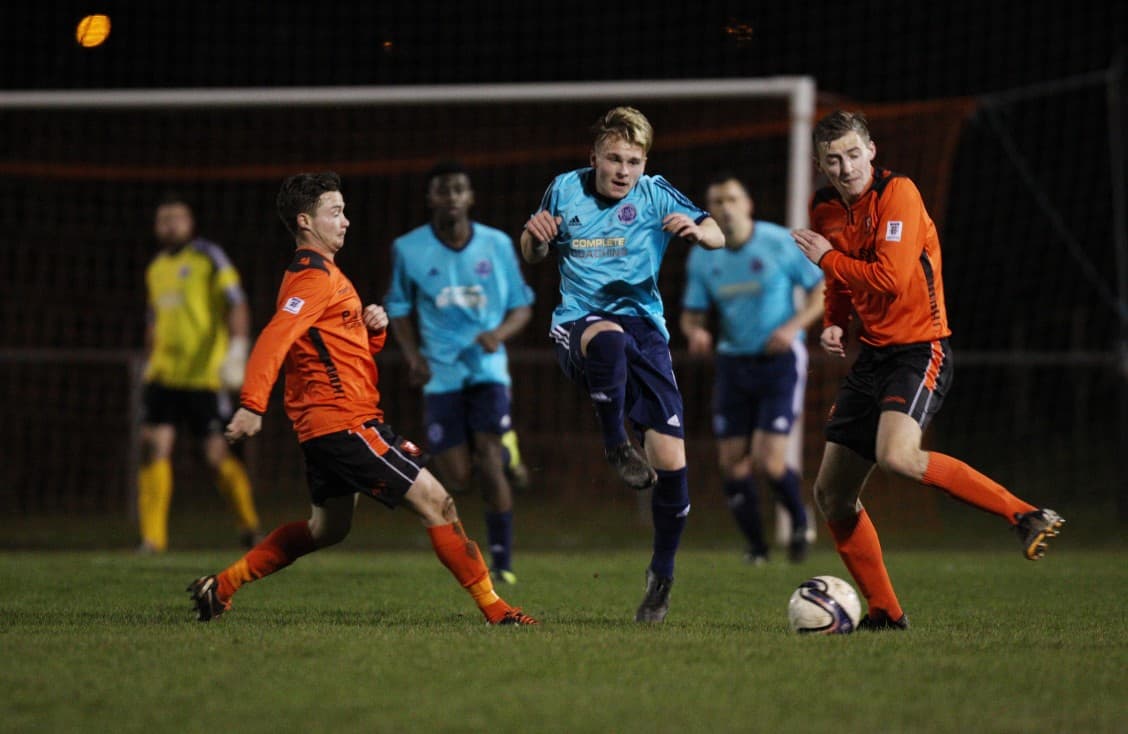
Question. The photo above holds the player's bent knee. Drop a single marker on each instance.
(430, 500)
(325, 534)
(909, 464)
(835, 505)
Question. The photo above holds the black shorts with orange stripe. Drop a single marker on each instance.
(908, 378)
(370, 459)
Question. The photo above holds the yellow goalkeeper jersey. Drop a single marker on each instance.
(190, 291)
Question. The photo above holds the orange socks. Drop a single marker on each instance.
(461, 556)
(964, 483)
(279, 549)
(860, 549)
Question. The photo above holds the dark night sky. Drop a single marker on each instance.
(878, 50)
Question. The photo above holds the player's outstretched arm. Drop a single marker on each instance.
(707, 233)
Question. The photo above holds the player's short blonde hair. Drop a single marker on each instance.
(625, 123)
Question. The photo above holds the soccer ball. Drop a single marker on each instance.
(824, 605)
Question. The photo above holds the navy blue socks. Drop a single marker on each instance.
(669, 507)
(606, 367)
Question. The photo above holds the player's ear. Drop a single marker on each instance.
(303, 221)
(591, 158)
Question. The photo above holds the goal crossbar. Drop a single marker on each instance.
(799, 91)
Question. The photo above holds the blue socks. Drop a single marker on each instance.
(669, 507)
(786, 490)
(606, 367)
(744, 502)
(499, 535)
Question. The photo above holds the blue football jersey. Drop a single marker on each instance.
(457, 294)
(752, 288)
(610, 251)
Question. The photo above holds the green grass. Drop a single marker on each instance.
(385, 641)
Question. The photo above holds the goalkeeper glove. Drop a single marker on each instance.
(234, 363)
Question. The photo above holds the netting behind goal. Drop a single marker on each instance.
(1035, 326)
(79, 199)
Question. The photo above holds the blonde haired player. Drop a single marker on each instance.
(609, 225)
(197, 340)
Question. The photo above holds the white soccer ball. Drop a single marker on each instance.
(824, 605)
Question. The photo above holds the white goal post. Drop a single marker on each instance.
(795, 94)
(799, 91)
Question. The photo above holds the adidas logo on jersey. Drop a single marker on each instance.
(574, 221)
(674, 421)
(433, 272)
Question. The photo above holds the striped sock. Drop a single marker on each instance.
(669, 506)
(462, 558)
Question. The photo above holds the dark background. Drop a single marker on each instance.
(1000, 111)
(871, 51)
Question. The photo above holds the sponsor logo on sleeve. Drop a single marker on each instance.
(293, 305)
(893, 231)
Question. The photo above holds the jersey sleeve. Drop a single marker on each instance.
(301, 301)
(696, 296)
(671, 201)
(897, 246)
(837, 306)
(400, 299)
(803, 272)
(225, 281)
(377, 340)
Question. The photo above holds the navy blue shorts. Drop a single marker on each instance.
(908, 378)
(760, 392)
(450, 417)
(204, 411)
(370, 459)
(653, 399)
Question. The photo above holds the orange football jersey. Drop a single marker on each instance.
(318, 336)
(885, 265)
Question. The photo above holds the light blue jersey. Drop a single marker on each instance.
(457, 295)
(752, 288)
(610, 251)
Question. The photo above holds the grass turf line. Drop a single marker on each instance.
(386, 641)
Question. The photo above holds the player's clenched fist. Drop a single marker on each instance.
(244, 424)
(375, 317)
(543, 227)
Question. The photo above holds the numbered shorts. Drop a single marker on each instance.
(908, 378)
(450, 417)
(758, 392)
(370, 459)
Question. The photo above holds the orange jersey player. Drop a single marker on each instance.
(879, 250)
(319, 337)
(885, 264)
(327, 341)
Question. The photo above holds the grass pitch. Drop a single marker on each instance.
(385, 641)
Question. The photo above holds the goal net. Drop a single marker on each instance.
(78, 194)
